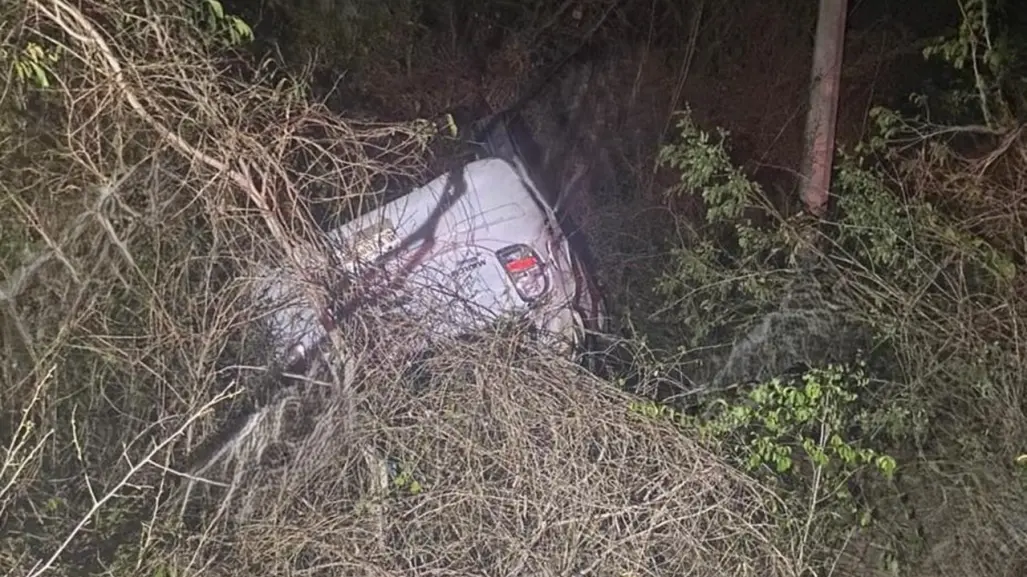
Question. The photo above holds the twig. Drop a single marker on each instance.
(978, 78)
(16, 282)
(87, 33)
(19, 440)
(43, 567)
(814, 497)
(1004, 147)
(188, 476)
(78, 452)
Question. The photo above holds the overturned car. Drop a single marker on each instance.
(476, 245)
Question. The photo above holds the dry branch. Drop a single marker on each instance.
(113, 492)
(76, 25)
(140, 297)
(523, 464)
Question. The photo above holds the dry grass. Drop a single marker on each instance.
(526, 465)
(142, 184)
(150, 181)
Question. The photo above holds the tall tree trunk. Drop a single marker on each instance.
(818, 157)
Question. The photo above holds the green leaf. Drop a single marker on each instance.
(40, 74)
(783, 462)
(865, 519)
(217, 9)
(886, 465)
(242, 28)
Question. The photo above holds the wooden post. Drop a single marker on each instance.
(825, 81)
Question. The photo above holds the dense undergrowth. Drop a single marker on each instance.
(923, 308)
(848, 395)
(916, 287)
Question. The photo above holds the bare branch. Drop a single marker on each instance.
(45, 566)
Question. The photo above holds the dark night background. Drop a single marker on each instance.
(749, 66)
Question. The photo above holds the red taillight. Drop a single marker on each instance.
(525, 270)
(522, 264)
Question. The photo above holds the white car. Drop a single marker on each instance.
(466, 249)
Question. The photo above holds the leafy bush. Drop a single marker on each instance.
(802, 435)
(940, 296)
(700, 281)
(923, 253)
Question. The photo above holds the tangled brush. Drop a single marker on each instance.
(493, 458)
(505, 462)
